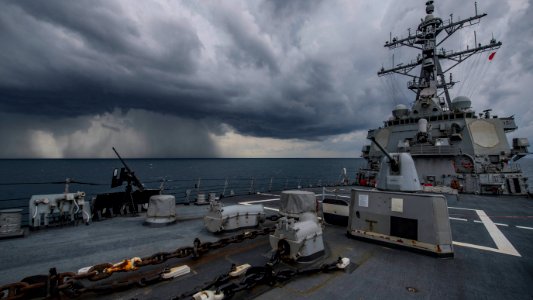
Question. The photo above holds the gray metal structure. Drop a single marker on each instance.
(298, 235)
(412, 220)
(161, 210)
(450, 143)
(395, 214)
(44, 209)
(224, 218)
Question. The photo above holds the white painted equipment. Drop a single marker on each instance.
(70, 205)
(423, 125)
(294, 203)
(223, 218)
(298, 234)
(298, 240)
(335, 211)
(175, 272)
(402, 177)
(161, 210)
(200, 199)
(10, 221)
(208, 295)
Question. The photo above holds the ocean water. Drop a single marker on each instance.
(21, 178)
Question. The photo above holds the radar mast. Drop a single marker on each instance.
(431, 86)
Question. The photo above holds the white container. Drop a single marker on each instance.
(224, 218)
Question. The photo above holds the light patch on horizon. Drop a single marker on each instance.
(232, 144)
(45, 144)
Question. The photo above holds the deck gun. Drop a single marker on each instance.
(397, 172)
(393, 161)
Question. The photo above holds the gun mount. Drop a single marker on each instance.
(119, 203)
(393, 162)
(397, 172)
(126, 174)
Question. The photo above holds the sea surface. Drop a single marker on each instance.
(22, 178)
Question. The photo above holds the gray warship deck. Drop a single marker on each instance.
(493, 255)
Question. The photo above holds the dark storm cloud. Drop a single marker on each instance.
(80, 58)
(84, 57)
(135, 133)
(248, 47)
(282, 69)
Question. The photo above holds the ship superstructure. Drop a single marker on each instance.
(451, 144)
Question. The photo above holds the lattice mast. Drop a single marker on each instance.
(431, 84)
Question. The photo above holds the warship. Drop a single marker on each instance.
(451, 144)
(486, 239)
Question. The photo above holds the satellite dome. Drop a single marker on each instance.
(400, 111)
(461, 103)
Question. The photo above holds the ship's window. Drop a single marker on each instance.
(415, 111)
(494, 159)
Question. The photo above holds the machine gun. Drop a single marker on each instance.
(115, 203)
(125, 174)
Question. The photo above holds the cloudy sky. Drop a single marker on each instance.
(232, 78)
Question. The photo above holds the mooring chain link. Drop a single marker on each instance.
(225, 285)
(69, 283)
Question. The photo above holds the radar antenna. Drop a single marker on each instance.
(431, 79)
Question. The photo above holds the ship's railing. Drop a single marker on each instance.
(433, 150)
(184, 190)
(432, 118)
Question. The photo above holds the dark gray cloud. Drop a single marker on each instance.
(302, 70)
(136, 133)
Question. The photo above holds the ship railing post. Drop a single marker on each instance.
(225, 187)
(198, 185)
(187, 194)
(270, 185)
(251, 186)
(323, 193)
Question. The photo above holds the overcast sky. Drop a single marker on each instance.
(232, 78)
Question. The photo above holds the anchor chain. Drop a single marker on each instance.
(69, 283)
(226, 285)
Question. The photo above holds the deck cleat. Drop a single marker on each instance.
(239, 270)
(175, 272)
(343, 262)
(208, 295)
